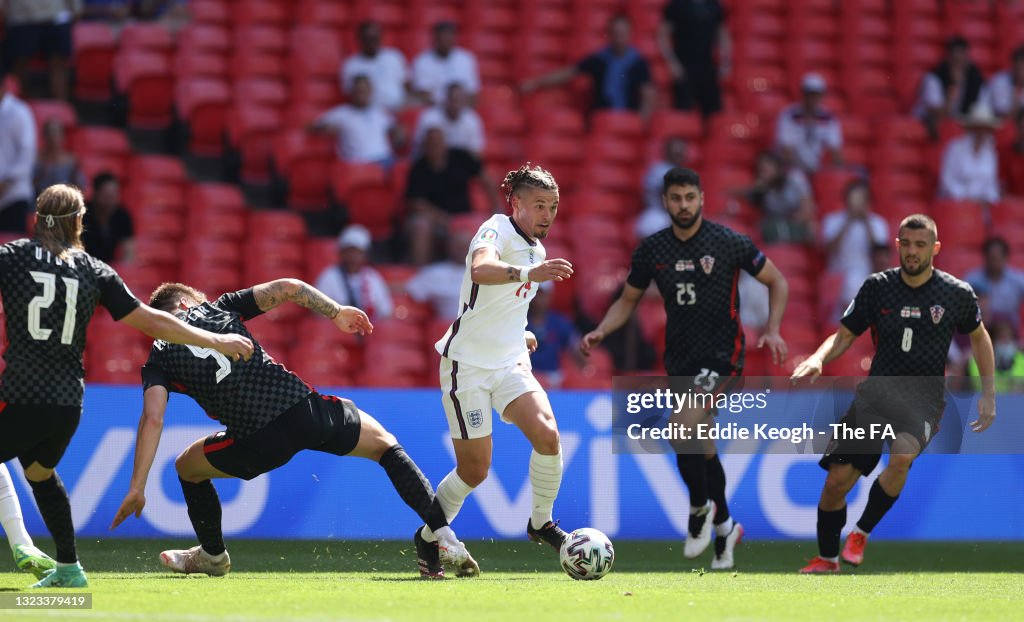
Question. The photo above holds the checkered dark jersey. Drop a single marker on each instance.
(48, 304)
(698, 280)
(243, 395)
(912, 327)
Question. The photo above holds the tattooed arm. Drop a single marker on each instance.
(273, 294)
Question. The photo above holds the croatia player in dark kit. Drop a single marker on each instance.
(696, 264)
(912, 312)
(51, 288)
(270, 415)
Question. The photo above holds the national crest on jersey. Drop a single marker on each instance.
(243, 395)
(489, 331)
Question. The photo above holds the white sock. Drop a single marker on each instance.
(214, 558)
(451, 493)
(723, 528)
(74, 565)
(10, 511)
(857, 529)
(545, 480)
(834, 560)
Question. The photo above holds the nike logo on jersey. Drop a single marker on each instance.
(886, 311)
(660, 266)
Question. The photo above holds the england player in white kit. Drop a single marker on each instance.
(485, 360)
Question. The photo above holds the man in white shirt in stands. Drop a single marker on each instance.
(17, 160)
(352, 281)
(366, 133)
(460, 124)
(485, 363)
(438, 283)
(385, 67)
(970, 163)
(849, 236)
(1004, 92)
(805, 130)
(444, 64)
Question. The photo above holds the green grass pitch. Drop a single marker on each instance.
(357, 581)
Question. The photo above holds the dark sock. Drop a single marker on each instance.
(694, 471)
(716, 488)
(204, 511)
(412, 486)
(879, 503)
(55, 508)
(830, 525)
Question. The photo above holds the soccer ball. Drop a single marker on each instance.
(587, 554)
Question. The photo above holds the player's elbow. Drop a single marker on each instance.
(153, 418)
(476, 274)
(290, 287)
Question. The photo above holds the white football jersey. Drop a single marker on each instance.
(490, 330)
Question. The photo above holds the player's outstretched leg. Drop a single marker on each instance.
(880, 501)
(55, 508)
(27, 557)
(531, 412)
(376, 443)
(204, 510)
(831, 518)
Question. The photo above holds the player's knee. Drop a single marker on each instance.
(548, 441)
(183, 466)
(900, 463)
(473, 472)
(836, 486)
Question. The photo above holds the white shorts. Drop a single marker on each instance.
(469, 393)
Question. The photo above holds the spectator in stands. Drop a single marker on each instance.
(654, 218)
(439, 188)
(55, 164)
(620, 76)
(689, 33)
(1009, 358)
(784, 199)
(366, 133)
(444, 64)
(385, 67)
(805, 129)
(42, 27)
(555, 335)
(950, 89)
(461, 125)
(999, 283)
(109, 230)
(850, 234)
(970, 163)
(352, 281)
(440, 282)
(1004, 91)
(1011, 160)
(17, 157)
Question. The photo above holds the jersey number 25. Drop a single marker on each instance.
(686, 294)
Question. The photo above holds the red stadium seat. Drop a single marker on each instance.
(612, 149)
(95, 49)
(277, 225)
(259, 12)
(92, 165)
(156, 252)
(315, 53)
(45, 109)
(145, 196)
(626, 125)
(261, 92)
(318, 13)
(366, 190)
(960, 223)
(143, 37)
(211, 279)
(99, 141)
(556, 121)
(203, 104)
(304, 162)
(145, 79)
(213, 12)
(188, 65)
(251, 131)
(322, 367)
(320, 253)
(214, 197)
(667, 123)
(118, 364)
(260, 38)
(198, 250)
(256, 65)
(216, 224)
(157, 168)
(196, 38)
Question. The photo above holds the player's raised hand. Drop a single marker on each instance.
(551, 270)
(590, 341)
(986, 413)
(235, 347)
(133, 503)
(776, 344)
(353, 320)
(809, 368)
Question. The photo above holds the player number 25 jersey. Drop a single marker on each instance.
(489, 332)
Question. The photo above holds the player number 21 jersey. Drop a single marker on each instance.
(490, 330)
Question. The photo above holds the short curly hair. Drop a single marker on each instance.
(527, 176)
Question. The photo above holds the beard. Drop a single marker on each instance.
(922, 265)
(687, 223)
